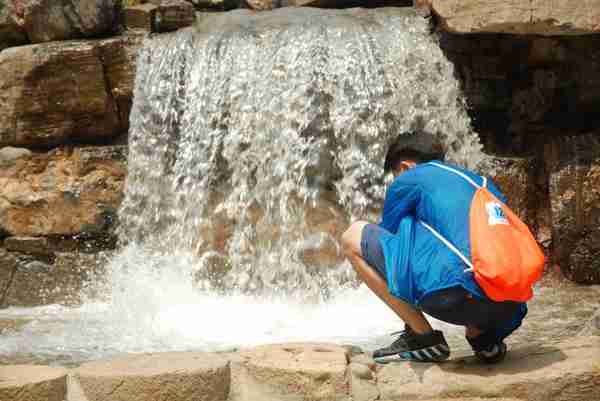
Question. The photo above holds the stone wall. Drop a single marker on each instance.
(531, 79)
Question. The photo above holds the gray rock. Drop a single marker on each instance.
(9, 154)
(48, 20)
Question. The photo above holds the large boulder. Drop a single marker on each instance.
(12, 32)
(48, 20)
(52, 92)
(574, 166)
(538, 17)
(65, 191)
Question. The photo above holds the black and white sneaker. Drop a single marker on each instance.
(492, 354)
(410, 346)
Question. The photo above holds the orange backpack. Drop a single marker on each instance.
(505, 257)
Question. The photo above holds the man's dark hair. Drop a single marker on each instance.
(415, 146)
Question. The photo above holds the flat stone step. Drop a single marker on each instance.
(32, 383)
(292, 371)
(178, 376)
(568, 371)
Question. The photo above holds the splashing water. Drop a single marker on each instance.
(253, 143)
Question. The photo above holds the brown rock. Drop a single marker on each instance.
(262, 5)
(48, 20)
(174, 14)
(168, 376)
(290, 371)
(32, 383)
(12, 32)
(538, 17)
(65, 191)
(53, 92)
(8, 267)
(563, 372)
(140, 16)
(574, 166)
(119, 60)
(515, 178)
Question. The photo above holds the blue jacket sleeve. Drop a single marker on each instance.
(401, 200)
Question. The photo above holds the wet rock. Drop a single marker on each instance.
(574, 166)
(37, 245)
(8, 155)
(12, 32)
(536, 18)
(64, 278)
(292, 371)
(49, 20)
(65, 191)
(33, 383)
(174, 14)
(563, 372)
(168, 376)
(54, 92)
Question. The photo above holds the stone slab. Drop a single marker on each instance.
(150, 377)
(32, 383)
(568, 371)
(536, 17)
(310, 371)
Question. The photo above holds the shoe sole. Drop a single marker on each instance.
(436, 353)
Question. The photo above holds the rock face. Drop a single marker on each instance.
(52, 92)
(32, 383)
(48, 20)
(12, 32)
(65, 191)
(537, 17)
(575, 195)
(174, 376)
(63, 91)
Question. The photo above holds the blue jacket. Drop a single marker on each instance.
(420, 263)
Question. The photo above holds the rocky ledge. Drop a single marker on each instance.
(568, 371)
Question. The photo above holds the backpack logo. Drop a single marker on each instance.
(495, 214)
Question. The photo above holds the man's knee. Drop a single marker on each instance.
(352, 237)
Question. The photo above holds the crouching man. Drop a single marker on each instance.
(413, 271)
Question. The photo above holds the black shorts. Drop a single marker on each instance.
(453, 305)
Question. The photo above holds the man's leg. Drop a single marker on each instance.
(351, 241)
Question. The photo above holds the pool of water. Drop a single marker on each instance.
(202, 321)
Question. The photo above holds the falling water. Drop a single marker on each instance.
(255, 139)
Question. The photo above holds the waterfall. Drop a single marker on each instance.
(256, 137)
